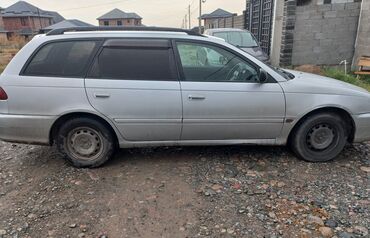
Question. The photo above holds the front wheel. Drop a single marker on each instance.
(320, 138)
(85, 143)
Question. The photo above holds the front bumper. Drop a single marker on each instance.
(25, 128)
(362, 123)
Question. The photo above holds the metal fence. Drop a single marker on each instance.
(258, 20)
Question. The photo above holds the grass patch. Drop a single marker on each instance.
(361, 81)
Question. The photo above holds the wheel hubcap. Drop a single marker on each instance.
(320, 137)
(85, 143)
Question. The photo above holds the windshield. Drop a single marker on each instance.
(238, 38)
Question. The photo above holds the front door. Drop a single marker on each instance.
(222, 98)
(134, 82)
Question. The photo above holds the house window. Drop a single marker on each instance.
(119, 23)
(327, 1)
(128, 21)
(23, 21)
(106, 23)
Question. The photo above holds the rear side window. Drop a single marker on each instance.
(62, 59)
(135, 63)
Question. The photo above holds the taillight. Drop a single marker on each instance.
(3, 95)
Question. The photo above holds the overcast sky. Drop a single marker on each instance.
(154, 12)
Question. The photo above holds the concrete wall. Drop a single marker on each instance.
(287, 32)
(363, 37)
(325, 34)
(230, 22)
(277, 32)
(239, 22)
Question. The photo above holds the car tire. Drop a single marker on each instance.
(85, 142)
(320, 137)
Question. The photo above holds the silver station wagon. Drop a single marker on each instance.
(93, 90)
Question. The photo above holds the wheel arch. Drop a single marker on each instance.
(344, 114)
(59, 122)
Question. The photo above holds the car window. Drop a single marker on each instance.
(202, 62)
(135, 64)
(62, 59)
(222, 35)
(238, 38)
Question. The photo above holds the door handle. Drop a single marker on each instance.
(191, 97)
(100, 95)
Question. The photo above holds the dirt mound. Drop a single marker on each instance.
(313, 69)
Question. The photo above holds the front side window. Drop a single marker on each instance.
(207, 63)
(106, 23)
(62, 59)
(126, 63)
(119, 23)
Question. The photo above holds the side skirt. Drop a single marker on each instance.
(130, 144)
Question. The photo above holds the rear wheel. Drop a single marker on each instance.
(85, 143)
(320, 137)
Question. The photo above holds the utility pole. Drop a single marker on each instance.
(38, 13)
(186, 21)
(200, 15)
(189, 17)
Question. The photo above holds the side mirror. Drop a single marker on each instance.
(263, 76)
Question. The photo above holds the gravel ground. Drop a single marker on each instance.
(185, 192)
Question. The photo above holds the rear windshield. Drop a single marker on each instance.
(241, 39)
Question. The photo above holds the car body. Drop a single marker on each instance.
(242, 39)
(161, 88)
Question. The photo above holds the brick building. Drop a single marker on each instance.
(3, 32)
(117, 17)
(218, 19)
(26, 20)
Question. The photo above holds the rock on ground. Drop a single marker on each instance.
(225, 191)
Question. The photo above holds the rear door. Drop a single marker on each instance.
(135, 83)
(222, 98)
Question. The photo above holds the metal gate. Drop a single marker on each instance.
(258, 20)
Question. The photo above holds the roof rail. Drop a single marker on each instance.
(61, 31)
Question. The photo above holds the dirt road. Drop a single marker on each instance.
(185, 192)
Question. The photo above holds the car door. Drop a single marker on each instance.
(135, 83)
(223, 98)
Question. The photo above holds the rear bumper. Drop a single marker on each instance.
(362, 123)
(25, 128)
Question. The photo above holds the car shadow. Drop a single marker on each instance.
(277, 154)
(195, 153)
